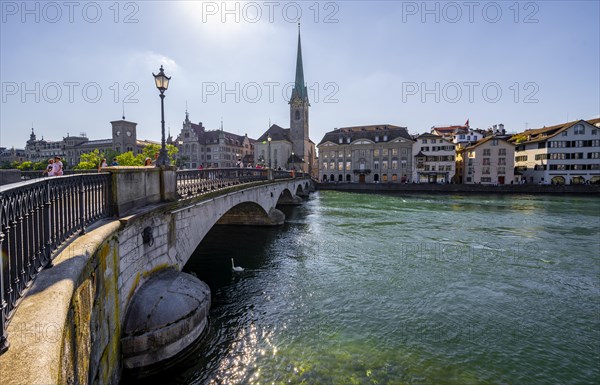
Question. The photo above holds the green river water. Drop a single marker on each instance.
(417, 289)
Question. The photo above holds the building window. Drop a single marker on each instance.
(384, 178)
(297, 115)
(501, 170)
(486, 161)
(376, 152)
(394, 164)
(486, 180)
(494, 142)
(502, 161)
(394, 177)
(394, 152)
(348, 165)
(565, 133)
(502, 151)
(594, 132)
(340, 166)
(579, 129)
(485, 170)
(377, 138)
(423, 141)
(433, 141)
(522, 158)
(376, 165)
(487, 152)
(341, 140)
(332, 165)
(347, 140)
(384, 164)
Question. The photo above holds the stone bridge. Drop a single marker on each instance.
(71, 325)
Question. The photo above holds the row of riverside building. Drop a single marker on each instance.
(567, 153)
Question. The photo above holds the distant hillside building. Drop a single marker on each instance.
(459, 134)
(567, 153)
(294, 140)
(366, 154)
(215, 148)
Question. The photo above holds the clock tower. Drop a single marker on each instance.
(299, 105)
(124, 136)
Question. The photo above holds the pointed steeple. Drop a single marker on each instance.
(299, 85)
(32, 137)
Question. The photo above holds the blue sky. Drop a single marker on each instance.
(71, 67)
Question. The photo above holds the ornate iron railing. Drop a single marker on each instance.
(197, 182)
(36, 218)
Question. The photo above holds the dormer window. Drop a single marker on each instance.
(341, 140)
(377, 138)
(347, 140)
(385, 138)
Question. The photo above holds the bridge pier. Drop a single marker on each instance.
(166, 315)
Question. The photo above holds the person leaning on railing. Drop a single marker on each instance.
(50, 168)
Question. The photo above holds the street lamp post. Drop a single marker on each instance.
(269, 140)
(162, 83)
(292, 159)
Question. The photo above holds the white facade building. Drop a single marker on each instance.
(435, 159)
(567, 153)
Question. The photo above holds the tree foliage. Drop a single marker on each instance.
(90, 160)
(25, 166)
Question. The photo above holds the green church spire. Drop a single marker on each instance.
(299, 87)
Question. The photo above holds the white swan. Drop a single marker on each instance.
(235, 268)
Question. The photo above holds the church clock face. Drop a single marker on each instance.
(297, 102)
(118, 132)
(128, 133)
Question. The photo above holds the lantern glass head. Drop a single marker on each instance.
(161, 80)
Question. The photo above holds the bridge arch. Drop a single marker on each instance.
(245, 213)
(250, 206)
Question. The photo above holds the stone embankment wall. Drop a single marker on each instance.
(462, 188)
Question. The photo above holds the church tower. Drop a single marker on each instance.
(299, 113)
